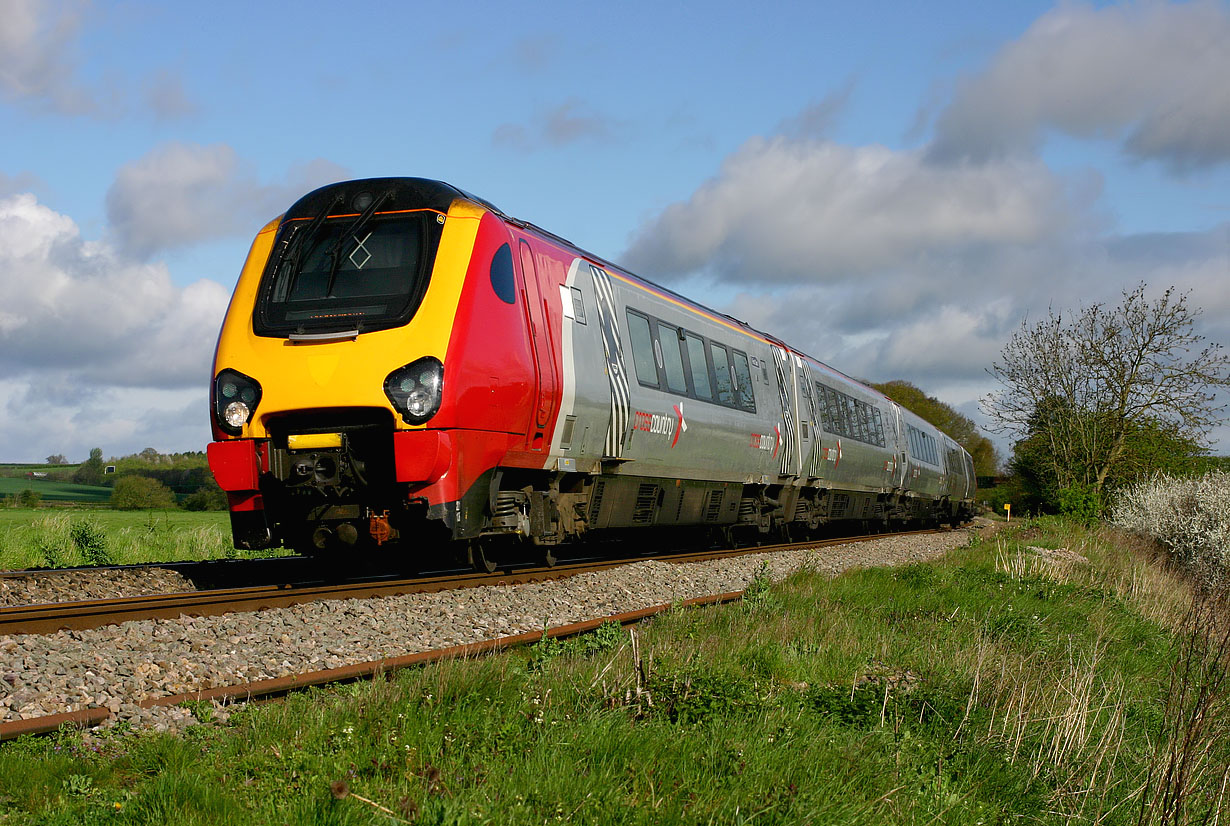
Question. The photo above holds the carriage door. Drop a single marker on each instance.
(903, 463)
(806, 417)
(544, 350)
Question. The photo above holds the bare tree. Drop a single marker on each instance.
(1084, 387)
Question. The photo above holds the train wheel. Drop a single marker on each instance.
(478, 556)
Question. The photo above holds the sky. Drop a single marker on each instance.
(893, 188)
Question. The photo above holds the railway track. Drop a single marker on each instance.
(266, 688)
(48, 618)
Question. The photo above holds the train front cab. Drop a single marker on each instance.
(336, 425)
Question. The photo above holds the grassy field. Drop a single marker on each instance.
(52, 491)
(1026, 679)
(46, 537)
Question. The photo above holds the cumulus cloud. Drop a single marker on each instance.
(783, 210)
(92, 343)
(887, 264)
(1150, 75)
(79, 306)
(181, 193)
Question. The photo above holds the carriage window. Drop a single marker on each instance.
(721, 374)
(743, 375)
(852, 423)
(699, 365)
(672, 358)
(642, 349)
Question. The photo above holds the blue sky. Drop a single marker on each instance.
(891, 187)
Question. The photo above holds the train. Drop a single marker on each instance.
(405, 367)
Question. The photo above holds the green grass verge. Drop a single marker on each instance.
(53, 538)
(51, 491)
(995, 686)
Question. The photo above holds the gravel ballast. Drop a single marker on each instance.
(118, 666)
(72, 586)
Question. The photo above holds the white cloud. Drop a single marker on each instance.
(802, 211)
(1152, 75)
(181, 193)
(94, 345)
(36, 44)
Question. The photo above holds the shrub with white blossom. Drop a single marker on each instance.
(1189, 515)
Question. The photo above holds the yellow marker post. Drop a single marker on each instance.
(1008, 508)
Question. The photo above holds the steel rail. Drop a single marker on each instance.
(48, 618)
(271, 689)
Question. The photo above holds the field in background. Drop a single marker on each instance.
(53, 491)
(51, 537)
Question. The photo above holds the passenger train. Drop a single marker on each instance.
(404, 364)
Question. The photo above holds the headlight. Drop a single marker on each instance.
(235, 399)
(415, 389)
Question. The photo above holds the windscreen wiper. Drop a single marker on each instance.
(343, 243)
(301, 240)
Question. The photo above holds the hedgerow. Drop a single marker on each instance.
(1190, 516)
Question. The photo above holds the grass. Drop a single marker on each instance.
(53, 491)
(54, 538)
(999, 685)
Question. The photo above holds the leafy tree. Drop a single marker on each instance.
(91, 470)
(140, 493)
(962, 429)
(57, 459)
(28, 498)
(1114, 393)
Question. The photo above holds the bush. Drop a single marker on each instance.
(28, 498)
(1081, 502)
(1189, 515)
(208, 498)
(133, 493)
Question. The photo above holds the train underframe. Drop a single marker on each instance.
(331, 498)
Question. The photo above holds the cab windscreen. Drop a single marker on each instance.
(352, 272)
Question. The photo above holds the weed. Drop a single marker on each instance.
(52, 556)
(79, 784)
(1187, 781)
(202, 710)
(606, 637)
(695, 696)
(90, 542)
(758, 595)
